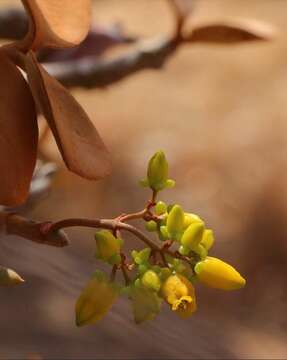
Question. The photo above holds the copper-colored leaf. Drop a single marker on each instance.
(230, 31)
(18, 134)
(79, 142)
(58, 23)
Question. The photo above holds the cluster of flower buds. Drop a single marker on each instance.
(165, 272)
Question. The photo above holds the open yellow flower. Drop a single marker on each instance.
(178, 292)
(52, 23)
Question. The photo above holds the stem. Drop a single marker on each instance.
(109, 224)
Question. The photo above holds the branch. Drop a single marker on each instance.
(12, 224)
(89, 73)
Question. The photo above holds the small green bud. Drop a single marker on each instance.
(141, 257)
(192, 235)
(142, 268)
(169, 184)
(151, 226)
(163, 233)
(108, 247)
(151, 280)
(175, 222)
(207, 239)
(157, 171)
(160, 208)
(184, 250)
(9, 277)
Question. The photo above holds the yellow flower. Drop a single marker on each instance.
(178, 292)
(96, 300)
(217, 274)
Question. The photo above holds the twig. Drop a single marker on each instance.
(12, 224)
(89, 73)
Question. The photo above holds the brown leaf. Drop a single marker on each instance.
(18, 134)
(230, 31)
(79, 142)
(58, 23)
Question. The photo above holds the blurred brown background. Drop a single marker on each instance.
(220, 115)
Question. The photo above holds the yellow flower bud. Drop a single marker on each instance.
(193, 235)
(207, 239)
(190, 218)
(146, 304)
(175, 221)
(179, 293)
(9, 277)
(95, 301)
(157, 172)
(217, 274)
(108, 247)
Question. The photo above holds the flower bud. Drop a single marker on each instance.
(192, 235)
(141, 257)
(157, 172)
(207, 239)
(175, 222)
(151, 280)
(163, 233)
(179, 293)
(151, 226)
(160, 208)
(217, 274)
(146, 303)
(9, 277)
(108, 247)
(96, 300)
(190, 218)
(201, 251)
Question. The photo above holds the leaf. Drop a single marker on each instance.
(230, 31)
(18, 135)
(56, 23)
(78, 141)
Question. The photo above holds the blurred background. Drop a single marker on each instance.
(219, 113)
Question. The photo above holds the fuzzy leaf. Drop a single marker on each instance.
(18, 135)
(79, 142)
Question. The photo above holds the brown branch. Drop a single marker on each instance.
(12, 224)
(89, 73)
(13, 24)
